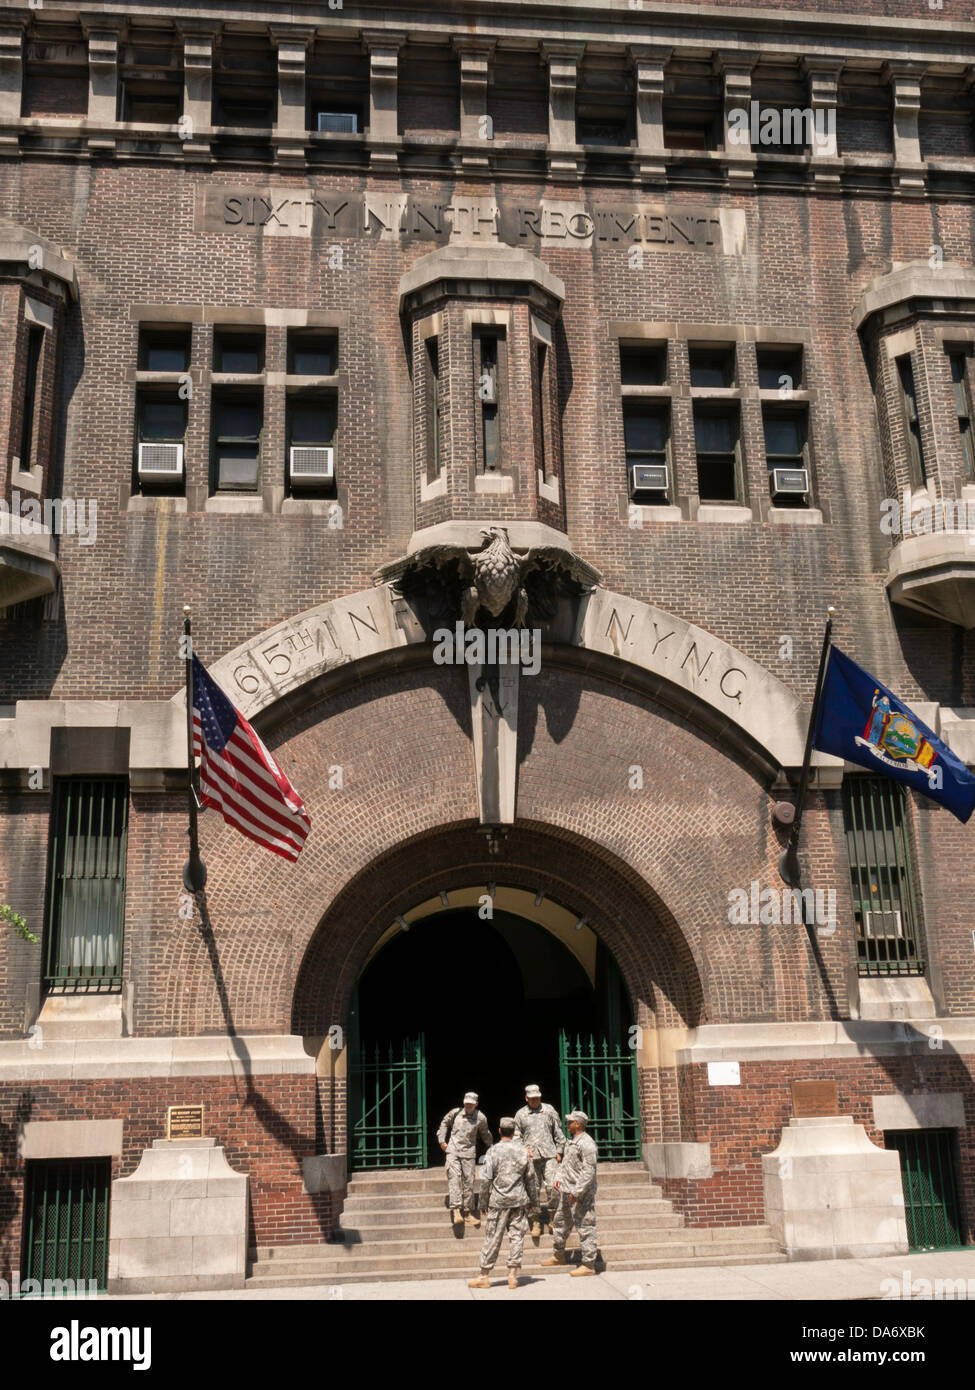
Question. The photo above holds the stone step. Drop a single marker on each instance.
(371, 1204)
(619, 1231)
(382, 1184)
(674, 1260)
(413, 1256)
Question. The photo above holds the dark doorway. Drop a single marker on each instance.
(490, 999)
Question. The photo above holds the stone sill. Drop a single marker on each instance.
(230, 505)
(710, 513)
(795, 516)
(498, 483)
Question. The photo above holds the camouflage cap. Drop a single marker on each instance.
(532, 1091)
(579, 1116)
(506, 1122)
(470, 1098)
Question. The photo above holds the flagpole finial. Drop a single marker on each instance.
(186, 609)
(830, 611)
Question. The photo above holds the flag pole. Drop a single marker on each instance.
(789, 859)
(194, 870)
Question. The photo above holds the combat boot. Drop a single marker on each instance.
(512, 1278)
(557, 1258)
(582, 1271)
(536, 1231)
(457, 1216)
(470, 1219)
(481, 1281)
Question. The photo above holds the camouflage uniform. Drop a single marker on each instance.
(540, 1131)
(461, 1153)
(577, 1176)
(511, 1177)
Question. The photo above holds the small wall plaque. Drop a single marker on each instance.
(813, 1098)
(184, 1122)
(724, 1074)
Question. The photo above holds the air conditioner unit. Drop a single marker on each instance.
(789, 481)
(883, 926)
(649, 477)
(312, 465)
(338, 122)
(160, 463)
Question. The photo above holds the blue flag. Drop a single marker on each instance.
(860, 720)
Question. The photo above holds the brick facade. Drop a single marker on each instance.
(279, 949)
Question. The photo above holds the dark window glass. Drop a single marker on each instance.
(916, 465)
(963, 405)
(776, 363)
(162, 421)
(712, 366)
(488, 393)
(237, 444)
(643, 366)
(433, 388)
(312, 424)
(239, 353)
(716, 440)
(646, 435)
(312, 354)
(35, 342)
(164, 351)
(785, 437)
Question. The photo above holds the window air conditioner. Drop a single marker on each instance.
(312, 465)
(789, 481)
(649, 477)
(338, 122)
(883, 926)
(160, 463)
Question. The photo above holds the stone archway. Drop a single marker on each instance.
(549, 877)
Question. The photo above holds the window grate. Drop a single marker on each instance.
(86, 877)
(930, 1194)
(65, 1233)
(888, 928)
(388, 1092)
(600, 1077)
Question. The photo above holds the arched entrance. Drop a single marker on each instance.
(478, 997)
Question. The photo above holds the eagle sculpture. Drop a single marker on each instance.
(493, 578)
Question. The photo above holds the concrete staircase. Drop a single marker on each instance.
(395, 1225)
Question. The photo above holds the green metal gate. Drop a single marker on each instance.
(66, 1221)
(389, 1095)
(600, 1078)
(930, 1195)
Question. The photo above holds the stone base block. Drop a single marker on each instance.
(179, 1222)
(678, 1160)
(832, 1194)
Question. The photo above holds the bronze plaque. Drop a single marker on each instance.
(184, 1122)
(812, 1098)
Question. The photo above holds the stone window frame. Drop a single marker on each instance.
(756, 504)
(433, 479)
(500, 480)
(545, 387)
(273, 381)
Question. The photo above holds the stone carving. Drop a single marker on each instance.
(511, 589)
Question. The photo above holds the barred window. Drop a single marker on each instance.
(885, 910)
(86, 884)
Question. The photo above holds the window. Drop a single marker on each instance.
(712, 366)
(780, 369)
(434, 407)
(489, 391)
(716, 437)
(643, 365)
(151, 102)
(605, 103)
(311, 434)
(881, 876)
(35, 342)
(86, 884)
(161, 418)
(245, 82)
(238, 353)
(312, 354)
(164, 349)
(65, 1229)
(646, 431)
(958, 359)
(237, 420)
(915, 453)
(786, 454)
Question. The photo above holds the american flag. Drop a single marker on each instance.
(238, 776)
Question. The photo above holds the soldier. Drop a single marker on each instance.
(459, 1131)
(537, 1126)
(510, 1175)
(576, 1184)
